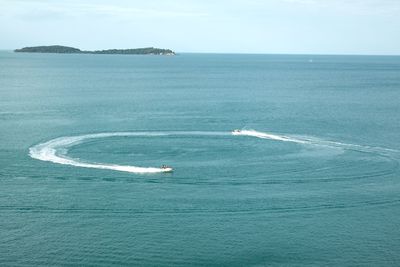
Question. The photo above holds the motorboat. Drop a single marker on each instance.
(236, 131)
(166, 168)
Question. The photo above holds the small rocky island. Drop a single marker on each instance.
(71, 50)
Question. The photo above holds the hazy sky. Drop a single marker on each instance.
(242, 26)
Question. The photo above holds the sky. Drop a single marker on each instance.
(206, 26)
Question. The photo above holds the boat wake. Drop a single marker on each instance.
(313, 141)
(56, 150)
(270, 136)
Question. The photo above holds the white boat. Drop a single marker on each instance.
(236, 131)
(166, 168)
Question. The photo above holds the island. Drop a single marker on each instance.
(71, 50)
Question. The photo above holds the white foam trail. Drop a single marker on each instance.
(51, 151)
(315, 142)
(56, 150)
(269, 136)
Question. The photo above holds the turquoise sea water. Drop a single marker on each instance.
(328, 194)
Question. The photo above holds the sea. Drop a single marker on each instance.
(277, 160)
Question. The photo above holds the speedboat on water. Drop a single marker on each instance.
(236, 131)
(166, 168)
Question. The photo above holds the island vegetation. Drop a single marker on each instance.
(71, 50)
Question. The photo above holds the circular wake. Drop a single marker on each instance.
(56, 150)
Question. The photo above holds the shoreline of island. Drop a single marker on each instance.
(59, 49)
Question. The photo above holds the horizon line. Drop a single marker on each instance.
(250, 53)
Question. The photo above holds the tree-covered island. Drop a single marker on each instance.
(71, 50)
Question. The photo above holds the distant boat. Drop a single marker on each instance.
(236, 131)
(166, 168)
